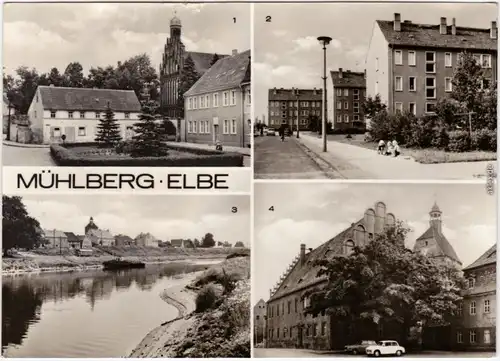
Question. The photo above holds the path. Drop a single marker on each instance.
(26, 156)
(275, 159)
(354, 162)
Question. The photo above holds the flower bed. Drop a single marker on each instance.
(89, 154)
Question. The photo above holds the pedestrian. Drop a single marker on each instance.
(397, 151)
(381, 146)
(282, 132)
(390, 148)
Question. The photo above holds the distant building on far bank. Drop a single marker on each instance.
(259, 322)
(55, 238)
(345, 101)
(411, 65)
(217, 107)
(289, 105)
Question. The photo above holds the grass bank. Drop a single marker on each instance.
(424, 156)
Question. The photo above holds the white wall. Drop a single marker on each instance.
(329, 101)
(377, 71)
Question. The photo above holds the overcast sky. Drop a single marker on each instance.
(314, 213)
(165, 217)
(287, 53)
(99, 34)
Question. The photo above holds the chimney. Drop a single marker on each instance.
(235, 51)
(442, 27)
(453, 27)
(302, 254)
(397, 22)
(341, 75)
(494, 30)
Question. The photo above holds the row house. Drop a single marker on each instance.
(294, 106)
(218, 105)
(345, 103)
(412, 65)
(75, 112)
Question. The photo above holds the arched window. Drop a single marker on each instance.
(348, 247)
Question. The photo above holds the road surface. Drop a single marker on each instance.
(20, 156)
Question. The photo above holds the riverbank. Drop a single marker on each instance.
(214, 315)
(35, 262)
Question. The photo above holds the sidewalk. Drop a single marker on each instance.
(225, 148)
(10, 143)
(354, 162)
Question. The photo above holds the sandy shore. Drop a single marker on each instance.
(156, 342)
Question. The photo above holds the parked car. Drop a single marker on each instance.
(359, 348)
(270, 131)
(387, 347)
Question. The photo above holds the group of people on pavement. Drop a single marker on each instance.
(391, 148)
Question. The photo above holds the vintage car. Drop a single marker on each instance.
(387, 347)
(360, 347)
(270, 131)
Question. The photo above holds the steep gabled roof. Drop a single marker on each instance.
(422, 35)
(444, 246)
(100, 233)
(227, 73)
(487, 258)
(306, 274)
(72, 237)
(54, 233)
(349, 79)
(176, 242)
(202, 60)
(87, 99)
(124, 238)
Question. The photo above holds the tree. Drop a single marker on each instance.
(147, 140)
(168, 127)
(208, 241)
(55, 78)
(239, 244)
(197, 243)
(108, 129)
(214, 60)
(24, 88)
(373, 106)
(386, 282)
(189, 76)
(227, 244)
(19, 230)
(73, 75)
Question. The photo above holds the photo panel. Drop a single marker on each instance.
(374, 269)
(167, 86)
(126, 276)
(409, 92)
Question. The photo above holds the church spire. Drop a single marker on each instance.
(175, 26)
(435, 218)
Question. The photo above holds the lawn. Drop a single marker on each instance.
(424, 156)
(91, 152)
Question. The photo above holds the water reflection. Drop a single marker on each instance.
(24, 295)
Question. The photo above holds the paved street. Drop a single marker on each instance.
(353, 162)
(297, 353)
(19, 156)
(275, 159)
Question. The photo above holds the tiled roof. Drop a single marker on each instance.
(100, 233)
(304, 94)
(123, 238)
(202, 60)
(421, 35)
(227, 73)
(305, 275)
(54, 233)
(72, 237)
(86, 99)
(349, 79)
(176, 242)
(443, 244)
(488, 257)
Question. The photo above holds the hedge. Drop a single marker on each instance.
(204, 158)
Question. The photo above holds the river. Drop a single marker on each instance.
(86, 314)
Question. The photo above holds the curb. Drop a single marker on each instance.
(22, 145)
(328, 174)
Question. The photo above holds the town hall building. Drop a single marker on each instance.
(174, 55)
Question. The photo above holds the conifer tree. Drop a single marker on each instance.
(147, 141)
(189, 76)
(214, 59)
(108, 133)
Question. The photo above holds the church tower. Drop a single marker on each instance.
(175, 28)
(435, 218)
(91, 225)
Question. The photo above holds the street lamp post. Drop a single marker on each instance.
(9, 120)
(324, 40)
(298, 110)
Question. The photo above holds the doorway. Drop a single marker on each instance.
(216, 133)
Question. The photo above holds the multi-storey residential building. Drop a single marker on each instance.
(411, 65)
(75, 113)
(218, 105)
(345, 109)
(146, 240)
(259, 321)
(478, 310)
(174, 55)
(290, 106)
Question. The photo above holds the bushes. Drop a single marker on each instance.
(484, 139)
(206, 299)
(63, 156)
(459, 141)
